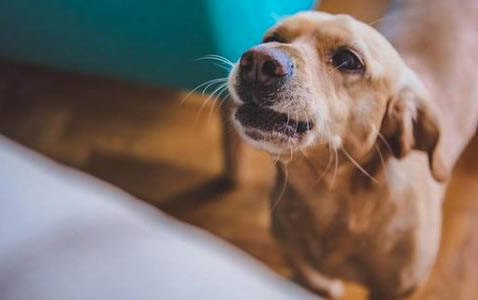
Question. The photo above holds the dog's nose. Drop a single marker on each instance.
(264, 65)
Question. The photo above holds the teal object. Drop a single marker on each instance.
(149, 41)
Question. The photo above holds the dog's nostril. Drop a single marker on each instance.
(264, 66)
(246, 61)
(269, 68)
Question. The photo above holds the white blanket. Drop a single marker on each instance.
(65, 235)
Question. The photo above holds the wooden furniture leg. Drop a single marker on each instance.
(232, 145)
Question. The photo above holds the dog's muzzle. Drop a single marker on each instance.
(268, 120)
(262, 72)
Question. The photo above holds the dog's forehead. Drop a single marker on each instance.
(341, 28)
(328, 31)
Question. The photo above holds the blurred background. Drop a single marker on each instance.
(101, 98)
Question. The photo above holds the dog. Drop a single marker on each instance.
(364, 139)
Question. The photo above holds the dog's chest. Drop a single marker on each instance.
(343, 215)
(339, 235)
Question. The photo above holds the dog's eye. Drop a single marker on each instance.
(274, 38)
(346, 60)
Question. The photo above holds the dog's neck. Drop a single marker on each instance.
(333, 170)
(328, 190)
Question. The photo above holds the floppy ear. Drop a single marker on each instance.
(412, 122)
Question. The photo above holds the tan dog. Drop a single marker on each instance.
(336, 105)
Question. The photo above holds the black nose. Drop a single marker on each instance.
(264, 65)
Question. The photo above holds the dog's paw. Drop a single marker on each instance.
(336, 289)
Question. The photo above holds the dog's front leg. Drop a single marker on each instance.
(312, 279)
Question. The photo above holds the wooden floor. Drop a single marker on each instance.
(169, 154)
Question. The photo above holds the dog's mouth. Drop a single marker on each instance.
(257, 120)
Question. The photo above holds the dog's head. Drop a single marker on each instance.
(321, 80)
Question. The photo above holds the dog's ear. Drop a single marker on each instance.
(412, 122)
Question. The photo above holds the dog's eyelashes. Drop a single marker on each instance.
(346, 60)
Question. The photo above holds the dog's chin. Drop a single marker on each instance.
(272, 142)
(269, 130)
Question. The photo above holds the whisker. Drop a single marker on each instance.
(306, 119)
(337, 67)
(200, 110)
(218, 99)
(332, 183)
(213, 95)
(310, 162)
(385, 142)
(376, 21)
(222, 58)
(212, 81)
(226, 68)
(207, 101)
(217, 58)
(212, 58)
(219, 91)
(381, 159)
(326, 168)
(287, 105)
(358, 165)
(336, 166)
(286, 178)
(204, 91)
(224, 98)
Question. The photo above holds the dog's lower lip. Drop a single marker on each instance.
(266, 119)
